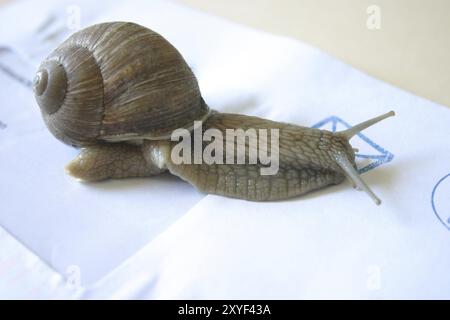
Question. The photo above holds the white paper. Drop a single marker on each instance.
(160, 238)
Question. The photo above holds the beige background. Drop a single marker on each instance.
(410, 50)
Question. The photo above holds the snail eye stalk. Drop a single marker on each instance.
(354, 177)
(350, 133)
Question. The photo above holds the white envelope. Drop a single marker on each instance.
(160, 238)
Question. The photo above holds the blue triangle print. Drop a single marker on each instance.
(370, 154)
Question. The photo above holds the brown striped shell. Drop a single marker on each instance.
(116, 81)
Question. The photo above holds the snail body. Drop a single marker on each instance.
(119, 90)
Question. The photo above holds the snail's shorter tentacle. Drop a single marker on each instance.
(118, 160)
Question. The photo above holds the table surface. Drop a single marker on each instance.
(410, 49)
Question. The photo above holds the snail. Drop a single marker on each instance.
(119, 90)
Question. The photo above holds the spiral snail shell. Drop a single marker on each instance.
(116, 81)
(118, 90)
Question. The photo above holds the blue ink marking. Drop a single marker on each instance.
(433, 202)
(2, 125)
(12, 74)
(384, 156)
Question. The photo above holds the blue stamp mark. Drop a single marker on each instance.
(376, 155)
(441, 187)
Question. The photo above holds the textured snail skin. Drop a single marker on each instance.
(307, 161)
(118, 90)
(118, 160)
